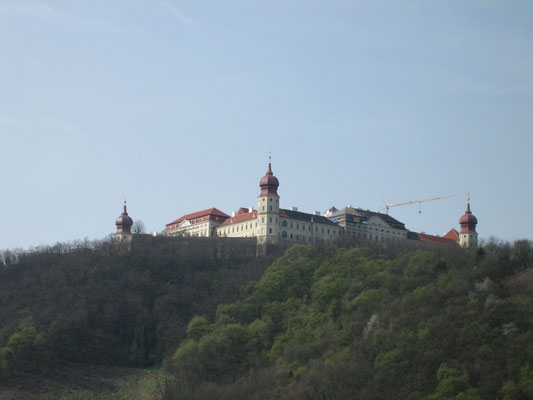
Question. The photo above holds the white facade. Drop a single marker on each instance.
(373, 226)
(201, 223)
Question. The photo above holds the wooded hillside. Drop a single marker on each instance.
(336, 322)
(370, 323)
(99, 303)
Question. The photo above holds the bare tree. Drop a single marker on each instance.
(138, 227)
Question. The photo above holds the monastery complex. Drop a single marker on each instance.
(274, 226)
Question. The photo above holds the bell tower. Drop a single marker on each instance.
(124, 224)
(268, 210)
(468, 222)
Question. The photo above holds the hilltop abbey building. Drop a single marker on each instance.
(269, 223)
(273, 225)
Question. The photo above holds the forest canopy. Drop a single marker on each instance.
(326, 322)
(339, 323)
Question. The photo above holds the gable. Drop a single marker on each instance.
(376, 220)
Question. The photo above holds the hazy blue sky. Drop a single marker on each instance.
(175, 105)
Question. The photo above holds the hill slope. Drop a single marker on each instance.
(343, 323)
(99, 303)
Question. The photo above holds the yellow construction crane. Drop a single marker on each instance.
(387, 206)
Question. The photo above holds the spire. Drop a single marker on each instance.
(124, 222)
(468, 204)
(269, 183)
(468, 221)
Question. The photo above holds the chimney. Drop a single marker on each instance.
(233, 213)
(294, 208)
(317, 212)
(250, 209)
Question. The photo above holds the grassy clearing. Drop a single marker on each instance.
(86, 381)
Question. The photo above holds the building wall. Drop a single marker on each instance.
(199, 248)
(201, 229)
(247, 228)
(307, 232)
(374, 232)
(268, 219)
(285, 229)
(468, 239)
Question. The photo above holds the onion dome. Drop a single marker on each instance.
(468, 221)
(124, 221)
(269, 183)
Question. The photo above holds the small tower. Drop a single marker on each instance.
(124, 224)
(468, 222)
(268, 210)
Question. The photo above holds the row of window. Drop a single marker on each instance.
(292, 236)
(238, 228)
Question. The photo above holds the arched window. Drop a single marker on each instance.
(284, 233)
(284, 223)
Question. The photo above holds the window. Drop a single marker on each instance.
(270, 220)
(316, 228)
(284, 223)
(328, 231)
(270, 208)
(303, 227)
(269, 230)
(297, 237)
(262, 220)
(309, 228)
(284, 234)
(291, 225)
(297, 226)
(291, 235)
(263, 208)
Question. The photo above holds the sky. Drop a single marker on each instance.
(176, 104)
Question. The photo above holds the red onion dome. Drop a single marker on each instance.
(468, 221)
(269, 183)
(124, 221)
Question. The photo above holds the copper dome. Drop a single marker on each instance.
(468, 221)
(269, 183)
(124, 221)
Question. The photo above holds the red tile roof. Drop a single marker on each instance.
(435, 239)
(240, 218)
(210, 213)
(452, 234)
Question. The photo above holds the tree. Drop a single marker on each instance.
(138, 227)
